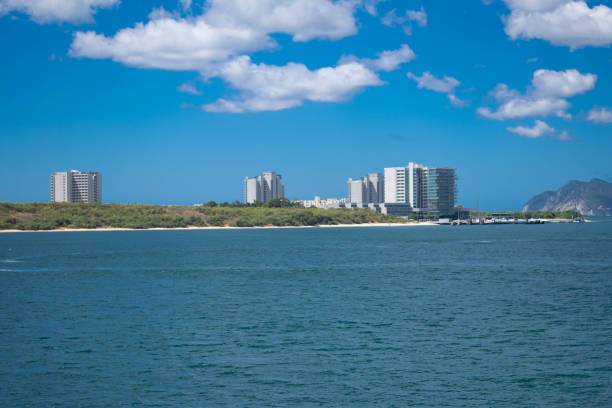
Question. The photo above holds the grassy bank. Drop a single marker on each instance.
(49, 216)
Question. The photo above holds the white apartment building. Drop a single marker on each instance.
(369, 190)
(76, 187)
(263, 188)
(405, 185)
(429, 189)
(395, 185)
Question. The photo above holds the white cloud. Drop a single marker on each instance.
(420, 16)
(600, 115)
(524, 107)
(303, 19)
(188, 87)
(445, 85)
(569, 23)
(545, 97)
(538, 130)
(50, 11)
(535, 5)
(169, 43)
(226, 29)
(391, 19)
(386, 61)
(563, 84)
(268, 88)
(428, 81)
(185, 4)
(371, 6)
(216, 44)
(456, 102)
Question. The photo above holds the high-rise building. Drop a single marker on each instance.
(428, 189)
(395, 185)
(263, 188)
(416, 184)
(369, 190)
(76, 187)
(441, 195)
(375, 188)
(356, 191)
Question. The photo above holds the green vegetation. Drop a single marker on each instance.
(44, 216)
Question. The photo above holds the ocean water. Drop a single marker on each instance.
(504, 316)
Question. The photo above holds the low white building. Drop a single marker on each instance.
(326, 203)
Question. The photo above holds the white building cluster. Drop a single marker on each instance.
(76, 187)
(404, 190)
(263, 188)
(325, 203)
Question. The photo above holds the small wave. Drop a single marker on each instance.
(9, 261)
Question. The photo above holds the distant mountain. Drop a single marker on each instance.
(590, 198)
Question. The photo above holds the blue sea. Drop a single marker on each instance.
(481, 316)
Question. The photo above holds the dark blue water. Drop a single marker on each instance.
(419, 316)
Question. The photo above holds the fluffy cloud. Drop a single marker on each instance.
(185, 4)
(539, 129)
(226, 29)
(561, 22)
(545, 97)
(265, 87)
(371, 6)
(172, 44)
(386, 61)
(215, 44)
(303, 19)
(420, 16)
(391, 19)
(428, 81)
(600, 115)
(48, 11)
(445, 85)
(189, 88)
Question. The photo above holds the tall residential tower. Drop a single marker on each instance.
(76, 187)
(369, 190)
(263, 188)
(427, 189)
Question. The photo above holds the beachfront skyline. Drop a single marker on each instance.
(195, 97)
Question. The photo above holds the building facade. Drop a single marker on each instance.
(369, 190)
(424, 189)
(76, 187)
(263, 188)
(441, 195)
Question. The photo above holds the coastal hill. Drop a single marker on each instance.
(590, 198)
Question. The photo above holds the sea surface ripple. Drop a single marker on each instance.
(505, 316)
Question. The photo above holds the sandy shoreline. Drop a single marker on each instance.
(409, 224)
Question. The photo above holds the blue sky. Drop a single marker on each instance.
(175, 102)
